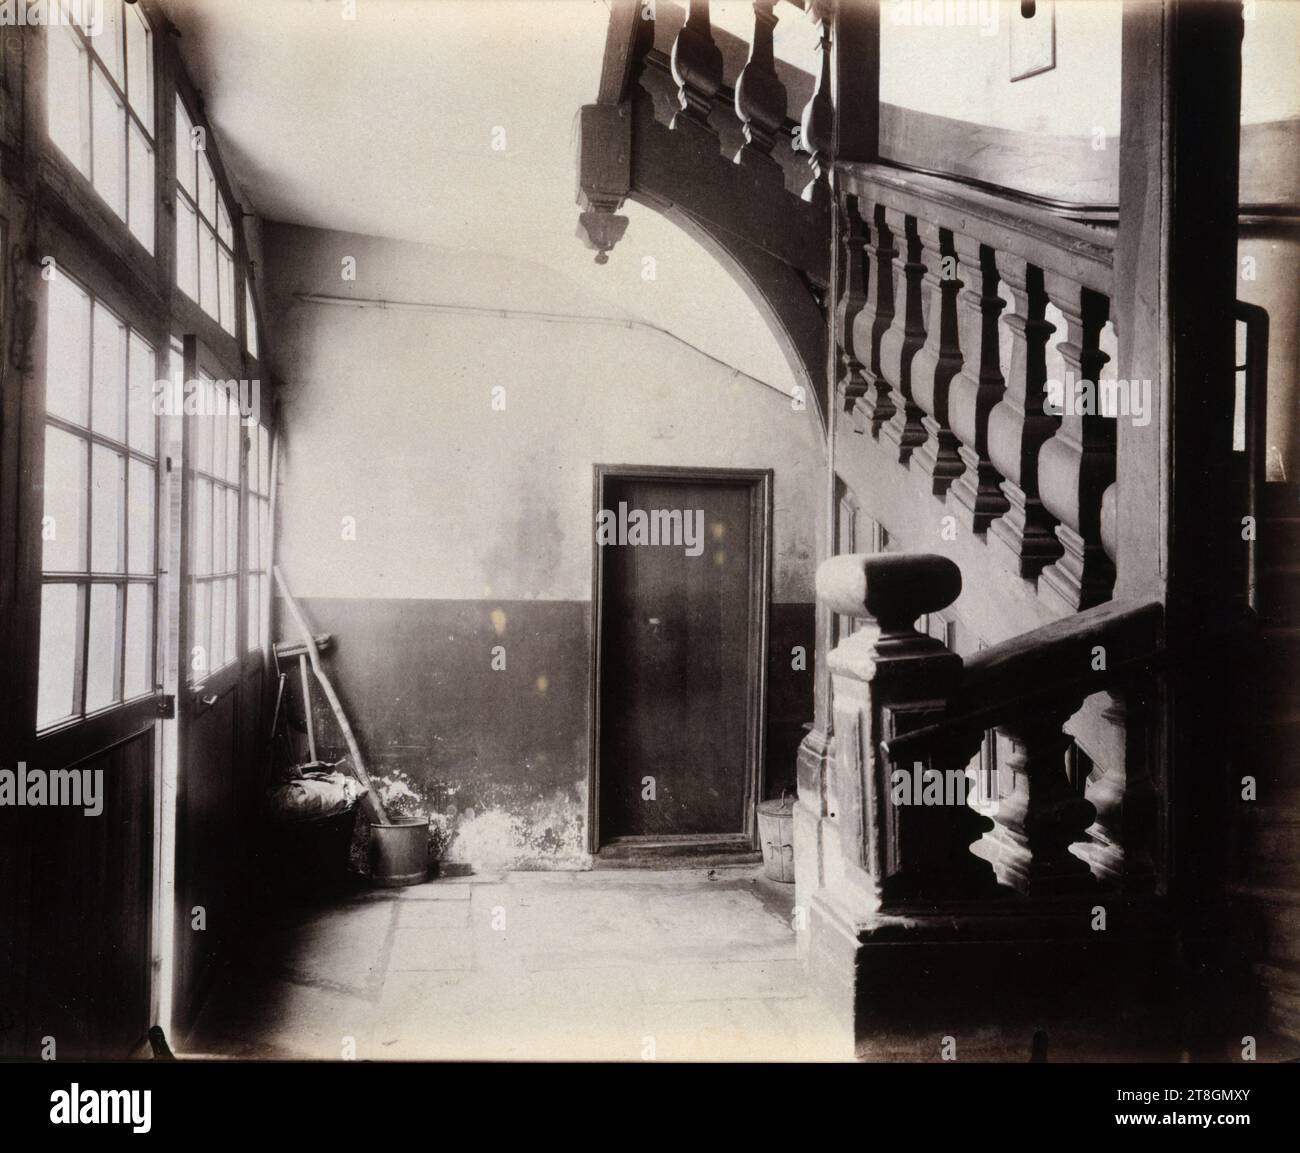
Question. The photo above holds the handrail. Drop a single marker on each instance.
(1038, 233)
(1053, 663)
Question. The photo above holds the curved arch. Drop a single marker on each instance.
(780, 295)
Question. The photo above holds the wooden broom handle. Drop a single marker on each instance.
(313, 654)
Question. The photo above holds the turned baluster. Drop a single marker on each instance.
(938, 360)
(1110, 519)
(888, 678)
(906, 334)
(1122, 840)
(1078, 463)
(1039, 814)
(760, 96)
(697, 67)
(817, 127)
(1022, 537)
(976, 496)
(876, 406)
(852, 300)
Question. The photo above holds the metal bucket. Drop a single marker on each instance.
(399, 853)
(776, 835)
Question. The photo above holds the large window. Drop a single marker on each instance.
(205, 241)
(103, 428)
(100, 98)
(100, 525)
(216, 438)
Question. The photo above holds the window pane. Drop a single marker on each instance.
(60, 636)
(142, 189)
(67, 359)
(187, 253)
(218, 424)
(232, 619)
(232, 529)
(185, 153)
(108, 43)
(234, 438)
(252, 559)
(108, 476)
(207, 189)
(250, 321)
(219, 534)
(264, 533)
(201, 551)
(201, 431)
(264, 460)
(217, 654)
(140, 518)
(65, 88)
(142, 422)
(223, 224)
(251, 632)
(139, 63)
(108, 153)
(63, 529)
(200, 630)
(101, 652)
(108, 396)
(208, 270)
(226, 289)
(138, 658)
(254, 480)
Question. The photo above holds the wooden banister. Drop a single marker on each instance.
(957, 346)
(1066, 660)
(1080, 252)
(909, 716)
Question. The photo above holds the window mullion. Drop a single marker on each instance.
(82, 662)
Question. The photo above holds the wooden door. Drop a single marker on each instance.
(681, 592)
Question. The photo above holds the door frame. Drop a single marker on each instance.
(760, 484)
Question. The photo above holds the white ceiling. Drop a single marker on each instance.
(384, 124)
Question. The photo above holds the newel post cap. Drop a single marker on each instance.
(892, 588)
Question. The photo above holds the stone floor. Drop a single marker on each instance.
(621, 965)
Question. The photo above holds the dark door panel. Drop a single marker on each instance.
(676, 688)
(92, 904)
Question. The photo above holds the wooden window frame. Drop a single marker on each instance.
(205, 227)
(89, 577)
(134, 120)
(64, 218)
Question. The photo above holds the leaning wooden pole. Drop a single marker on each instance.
(313, 654)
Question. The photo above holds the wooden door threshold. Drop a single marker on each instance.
(681, 852)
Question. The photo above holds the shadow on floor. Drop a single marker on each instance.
(624, 965)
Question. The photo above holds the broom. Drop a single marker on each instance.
(313, 654)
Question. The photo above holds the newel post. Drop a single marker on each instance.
(888, 678)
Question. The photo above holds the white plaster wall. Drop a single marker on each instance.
(390, 421)
(962, 70)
